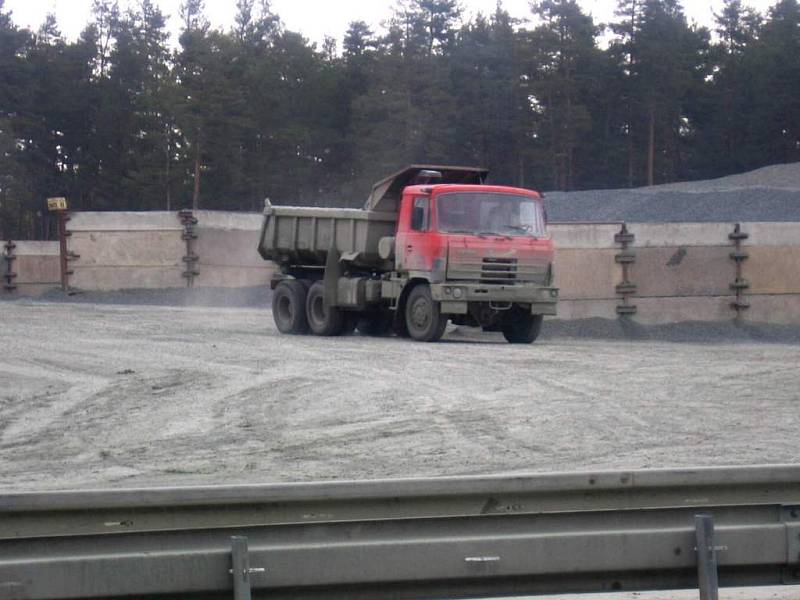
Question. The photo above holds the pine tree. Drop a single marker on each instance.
(564, 54)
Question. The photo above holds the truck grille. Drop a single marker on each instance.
(492, 270)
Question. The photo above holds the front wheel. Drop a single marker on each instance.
(424, 321)
(521, 327)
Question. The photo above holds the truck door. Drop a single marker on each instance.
(412, 239)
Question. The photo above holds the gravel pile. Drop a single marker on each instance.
(258, 296)
(768, 194)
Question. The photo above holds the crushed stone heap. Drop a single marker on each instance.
(767, 194)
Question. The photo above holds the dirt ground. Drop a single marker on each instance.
(95, 395)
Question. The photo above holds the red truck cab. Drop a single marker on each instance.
(482, 253)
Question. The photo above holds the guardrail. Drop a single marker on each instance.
(416, 538)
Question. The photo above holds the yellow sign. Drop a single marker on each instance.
(56, 204)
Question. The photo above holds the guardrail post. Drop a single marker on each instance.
(241, 568)
(790, 517)
(706, 557)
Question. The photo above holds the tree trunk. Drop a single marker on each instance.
(167, 172)
(196, 194)
(651, 144)
(630, 158)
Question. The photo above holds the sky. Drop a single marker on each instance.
(317, 18)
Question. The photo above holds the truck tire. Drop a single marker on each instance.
(375, 323)
(323, 320)
(424, 321)
(289, 307)
(521, 327)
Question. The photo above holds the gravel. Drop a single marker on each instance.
(256, 296)
(605, 329)
(98, 395)
(768, 194)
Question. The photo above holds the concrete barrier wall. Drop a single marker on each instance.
(680, 271)
(226, 247)
(149, 250)
(35, 268)
(117, 250)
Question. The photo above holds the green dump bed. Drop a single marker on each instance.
(302, 236)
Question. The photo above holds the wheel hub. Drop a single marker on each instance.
(420, 313)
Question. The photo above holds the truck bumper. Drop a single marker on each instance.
(455, 296)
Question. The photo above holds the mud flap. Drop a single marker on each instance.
(333, 270)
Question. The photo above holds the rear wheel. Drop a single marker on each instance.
(521, 327)
(322, 319)
(424, 321)
(289, 307)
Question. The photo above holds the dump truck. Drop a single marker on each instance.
(431, 244)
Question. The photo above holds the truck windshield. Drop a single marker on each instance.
(481, 213)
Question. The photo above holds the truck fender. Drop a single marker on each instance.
(410, 285)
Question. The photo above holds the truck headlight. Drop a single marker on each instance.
(458, 292)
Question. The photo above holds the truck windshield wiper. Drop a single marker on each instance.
(523, 228)
(495, 233)
(466, 231)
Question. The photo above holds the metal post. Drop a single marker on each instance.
(189, 235)
(241, 568)
(706, 557)
(8, 269)
(626, 258)
(740, 284)
(62, 242)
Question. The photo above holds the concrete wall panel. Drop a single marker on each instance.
(683, 271)
(656, 235)
(586, 273)
(124, 221)
(772, 234)
(215, 219)
(226, 276)
(126, 277)
(657, 311)
(31, 290)
(773, 269)
(37, 269)
(225, 247)
(145, 248)
(37, 266)
(779, 309)
(584, 235)
(36, 248)
(587, 309)
(229, 256)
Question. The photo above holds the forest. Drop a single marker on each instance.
(124, 119)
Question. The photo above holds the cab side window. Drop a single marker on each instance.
(419, 214)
